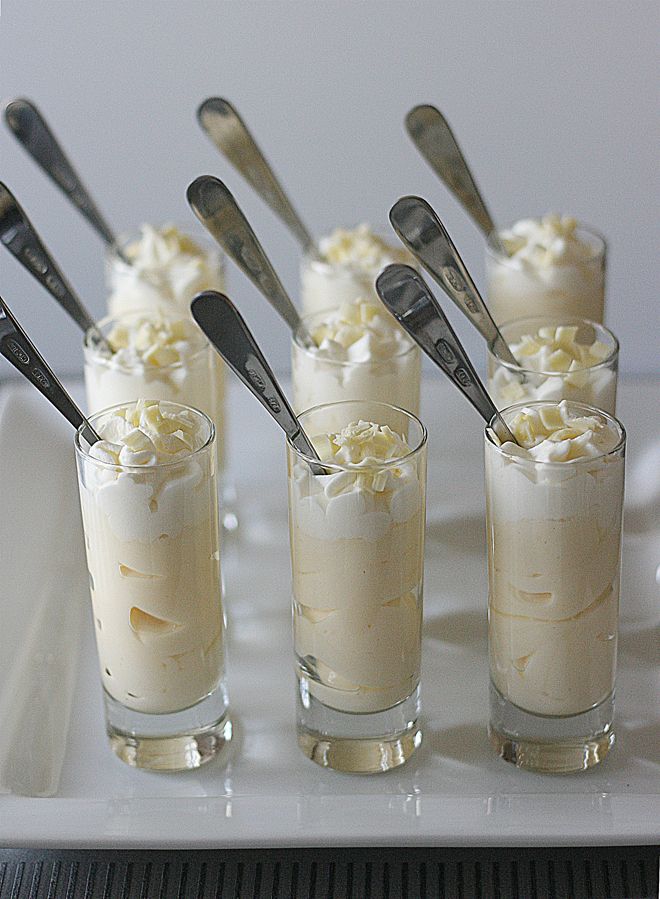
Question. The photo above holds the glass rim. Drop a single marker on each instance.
(91, 349)
(493, 240)
(336, 467)
(133, 469)
(584, 407)
(567, 319)
(306, 320)
(200, 237)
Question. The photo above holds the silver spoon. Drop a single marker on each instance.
(31, 129)
(224, 326)
(426, 237)
(431, 134)
(407, 296)
(18, 349)
(220, 214)
(19, 236)
(230, 134)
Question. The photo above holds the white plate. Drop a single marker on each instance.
(453, 792)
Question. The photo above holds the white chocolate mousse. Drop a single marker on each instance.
(357, 543)
(557, 366)
(553, 267)
(149, 505)
(155, 355)
(554, 547)
(361, 353)
(351, 260)
(164, 270)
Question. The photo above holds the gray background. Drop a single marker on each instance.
(553, 102)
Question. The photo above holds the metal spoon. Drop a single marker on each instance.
(30, 127)
(19, 236)
(230, 134)
(426, 237)
(220, 214)
(431, 134)
(224, 326)
(407, 296)
(18, 349)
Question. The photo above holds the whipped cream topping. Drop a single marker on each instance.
(167, 268)
(153, 341)
(359, 332)
(549, 241)
(556, 349)
(360, 248)
(146, 433)
(552, 433)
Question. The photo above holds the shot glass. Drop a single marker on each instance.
(142, 274)
(595, 384)
(153, 553)
(357, 554)
(320, 379)
(554, 542)
(516, 289)
(196, 379)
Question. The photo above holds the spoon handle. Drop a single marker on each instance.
(31, 129)
(230, 134)
(431, 134)
(219, 212)
(226, 329)
(18, 349)
(426, 237)
(19, 236)
(407, 296)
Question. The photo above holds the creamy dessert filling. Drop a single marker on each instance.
(552, 265)
(557, 365)
(165, 270)
(554, 518)
(149, 505)
(350, 261)
(357, 537)
(360, 353)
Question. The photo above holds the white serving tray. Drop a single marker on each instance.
(453, 792)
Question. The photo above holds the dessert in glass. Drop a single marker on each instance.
(559, 358)
(552, 266)
(149, 506)
(357, 555)
(161, 269)
(348, 263)
(159, 355)
(360, 353)
(553, 511)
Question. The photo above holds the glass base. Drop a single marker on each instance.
(178, 741)
(357, 742)
(550, 745)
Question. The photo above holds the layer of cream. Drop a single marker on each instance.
(149, 504)
(567, 370)
(158, 356)
(552, 269)
(351, 259)
(554, 537)
(165, 270)
(361, 354)
(357, 545)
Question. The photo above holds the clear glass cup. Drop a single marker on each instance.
(197, 380)
(327, 285)
(594, 385)
(153, 553)
(167, 288)
(358, 565)
(319, 380)
(554, 547)
(518, 290)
